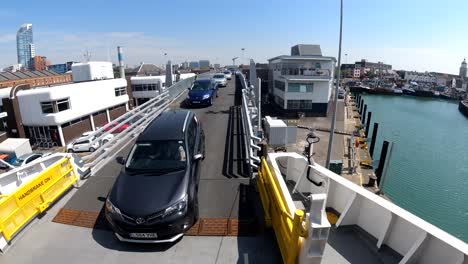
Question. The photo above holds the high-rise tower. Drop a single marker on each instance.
(25, 45)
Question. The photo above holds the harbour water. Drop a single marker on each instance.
(428, 173)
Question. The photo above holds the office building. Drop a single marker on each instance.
(194, 65)
(61, 68)
(204, 64)
(61, 113)
(363, 67)
(463, 69)
(143, 88)
(39, 63)
(303, 81)
(420, 77)
(25, 45)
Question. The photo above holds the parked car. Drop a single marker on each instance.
(120, 128)
(228, 75)
(202, 92)
(154, 198)
(87, 143)
(26, 159)
(220, 79)
(341, 93)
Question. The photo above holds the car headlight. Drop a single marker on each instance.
(112, 209)
(180, 206)
(206, 96)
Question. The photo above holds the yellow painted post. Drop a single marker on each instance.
(296, 229)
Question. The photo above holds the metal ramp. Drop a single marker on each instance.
(229, 205)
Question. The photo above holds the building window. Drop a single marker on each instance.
(299, 104)
(279, 101)
(318, 65)
(55, 106)
(47, 107)
(119, 91)
(145, 87)
(279, 85)
(300, 87)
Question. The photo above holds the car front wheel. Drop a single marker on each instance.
(70, 150)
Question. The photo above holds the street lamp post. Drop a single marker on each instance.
(243, 53)
(332, 129)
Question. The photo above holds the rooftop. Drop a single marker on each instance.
(18, 75)
(303, 57)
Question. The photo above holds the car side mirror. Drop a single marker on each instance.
(198, 156)
(120, 160)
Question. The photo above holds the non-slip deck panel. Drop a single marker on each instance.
(204, 227)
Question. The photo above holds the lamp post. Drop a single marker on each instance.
(332, 129)
(243, 53)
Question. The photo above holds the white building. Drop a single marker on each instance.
(62, 113)
(146, 87)
(424, 77)
(91, 71)
(303, 81)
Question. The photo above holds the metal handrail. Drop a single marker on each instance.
(139, 118)
(249, 136)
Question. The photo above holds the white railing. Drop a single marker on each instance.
(416, 240)
(137, 119)
(249, 113)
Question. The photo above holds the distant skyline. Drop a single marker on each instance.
(412, 35)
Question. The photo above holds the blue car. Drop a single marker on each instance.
(202, 92)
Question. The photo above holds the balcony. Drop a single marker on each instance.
(305, 74)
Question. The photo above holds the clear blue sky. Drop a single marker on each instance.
(409, 34)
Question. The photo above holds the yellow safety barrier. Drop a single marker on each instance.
(17, 208)
(288, 229)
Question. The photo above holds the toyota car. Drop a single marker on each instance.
(154, 198)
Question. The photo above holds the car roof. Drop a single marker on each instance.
(25, 156)
(203, 80)
(168, 126)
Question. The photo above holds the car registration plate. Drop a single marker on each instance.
(196, 102)
(143, 235)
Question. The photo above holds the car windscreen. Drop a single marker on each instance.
(226, 72)
(218, 76)
(201, 86)
(157, 157)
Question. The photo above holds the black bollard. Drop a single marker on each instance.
(360, 107)
(369, 115)
(374, 136)
(363, 121)
(383, 156)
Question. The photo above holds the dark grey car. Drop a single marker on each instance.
(154, 199)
